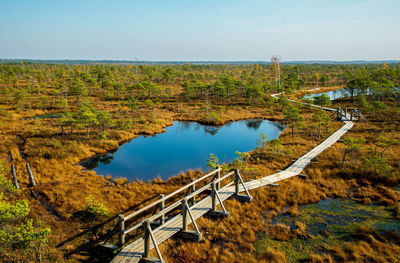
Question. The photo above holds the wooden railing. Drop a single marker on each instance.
(183, 206)
(355, 115)
(341, 114)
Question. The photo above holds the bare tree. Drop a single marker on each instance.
(136, 64)
(277, 68)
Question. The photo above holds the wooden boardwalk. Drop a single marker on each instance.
(297, 167)
(134, 251)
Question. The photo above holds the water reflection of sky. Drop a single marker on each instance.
(333, 94)
(185, 145)
(345, 92)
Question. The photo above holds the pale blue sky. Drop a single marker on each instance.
(200, 30)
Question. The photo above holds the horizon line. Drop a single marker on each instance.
(201, 61)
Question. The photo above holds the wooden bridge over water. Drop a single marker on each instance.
(188, 203)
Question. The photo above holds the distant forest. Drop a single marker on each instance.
(211, 62)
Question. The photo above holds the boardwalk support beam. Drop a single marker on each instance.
(148, 235)
(238, 181)
(214, 196)
(185, 233)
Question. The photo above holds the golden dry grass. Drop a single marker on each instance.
(64, 185)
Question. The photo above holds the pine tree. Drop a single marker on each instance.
(292, 115)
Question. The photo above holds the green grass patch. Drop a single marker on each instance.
(329, 223)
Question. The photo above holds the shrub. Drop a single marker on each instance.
(4, 112)
(103, 135)
(10, 212)
(262, 141)
(375, 165)
(379, 105)
(322, 100)
(18, 234)
(55, 143)
(242, 158)
(211, 117)
(5, 185)
(212, 162)
(363, 103)
(126, 124)
(95, 208)
(24, 236)
(149, 103)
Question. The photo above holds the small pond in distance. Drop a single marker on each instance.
(184, 146)
(50, 115)
(333, 94)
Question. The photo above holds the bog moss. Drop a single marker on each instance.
(330, 223)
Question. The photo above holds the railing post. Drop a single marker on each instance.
(213, 197)
(149, 236)
(218, 176)
(193, 189)
(146, 225)
(121, 222)
(184, 214)
(185, 233)
(236, 182)
(162, 206)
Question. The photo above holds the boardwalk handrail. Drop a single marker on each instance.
(191, 195)
(170, 195)
(122, 219)
(214, 186)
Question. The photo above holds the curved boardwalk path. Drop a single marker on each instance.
(302, 162)
(134, 251)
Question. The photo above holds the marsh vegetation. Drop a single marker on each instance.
(86, 110)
